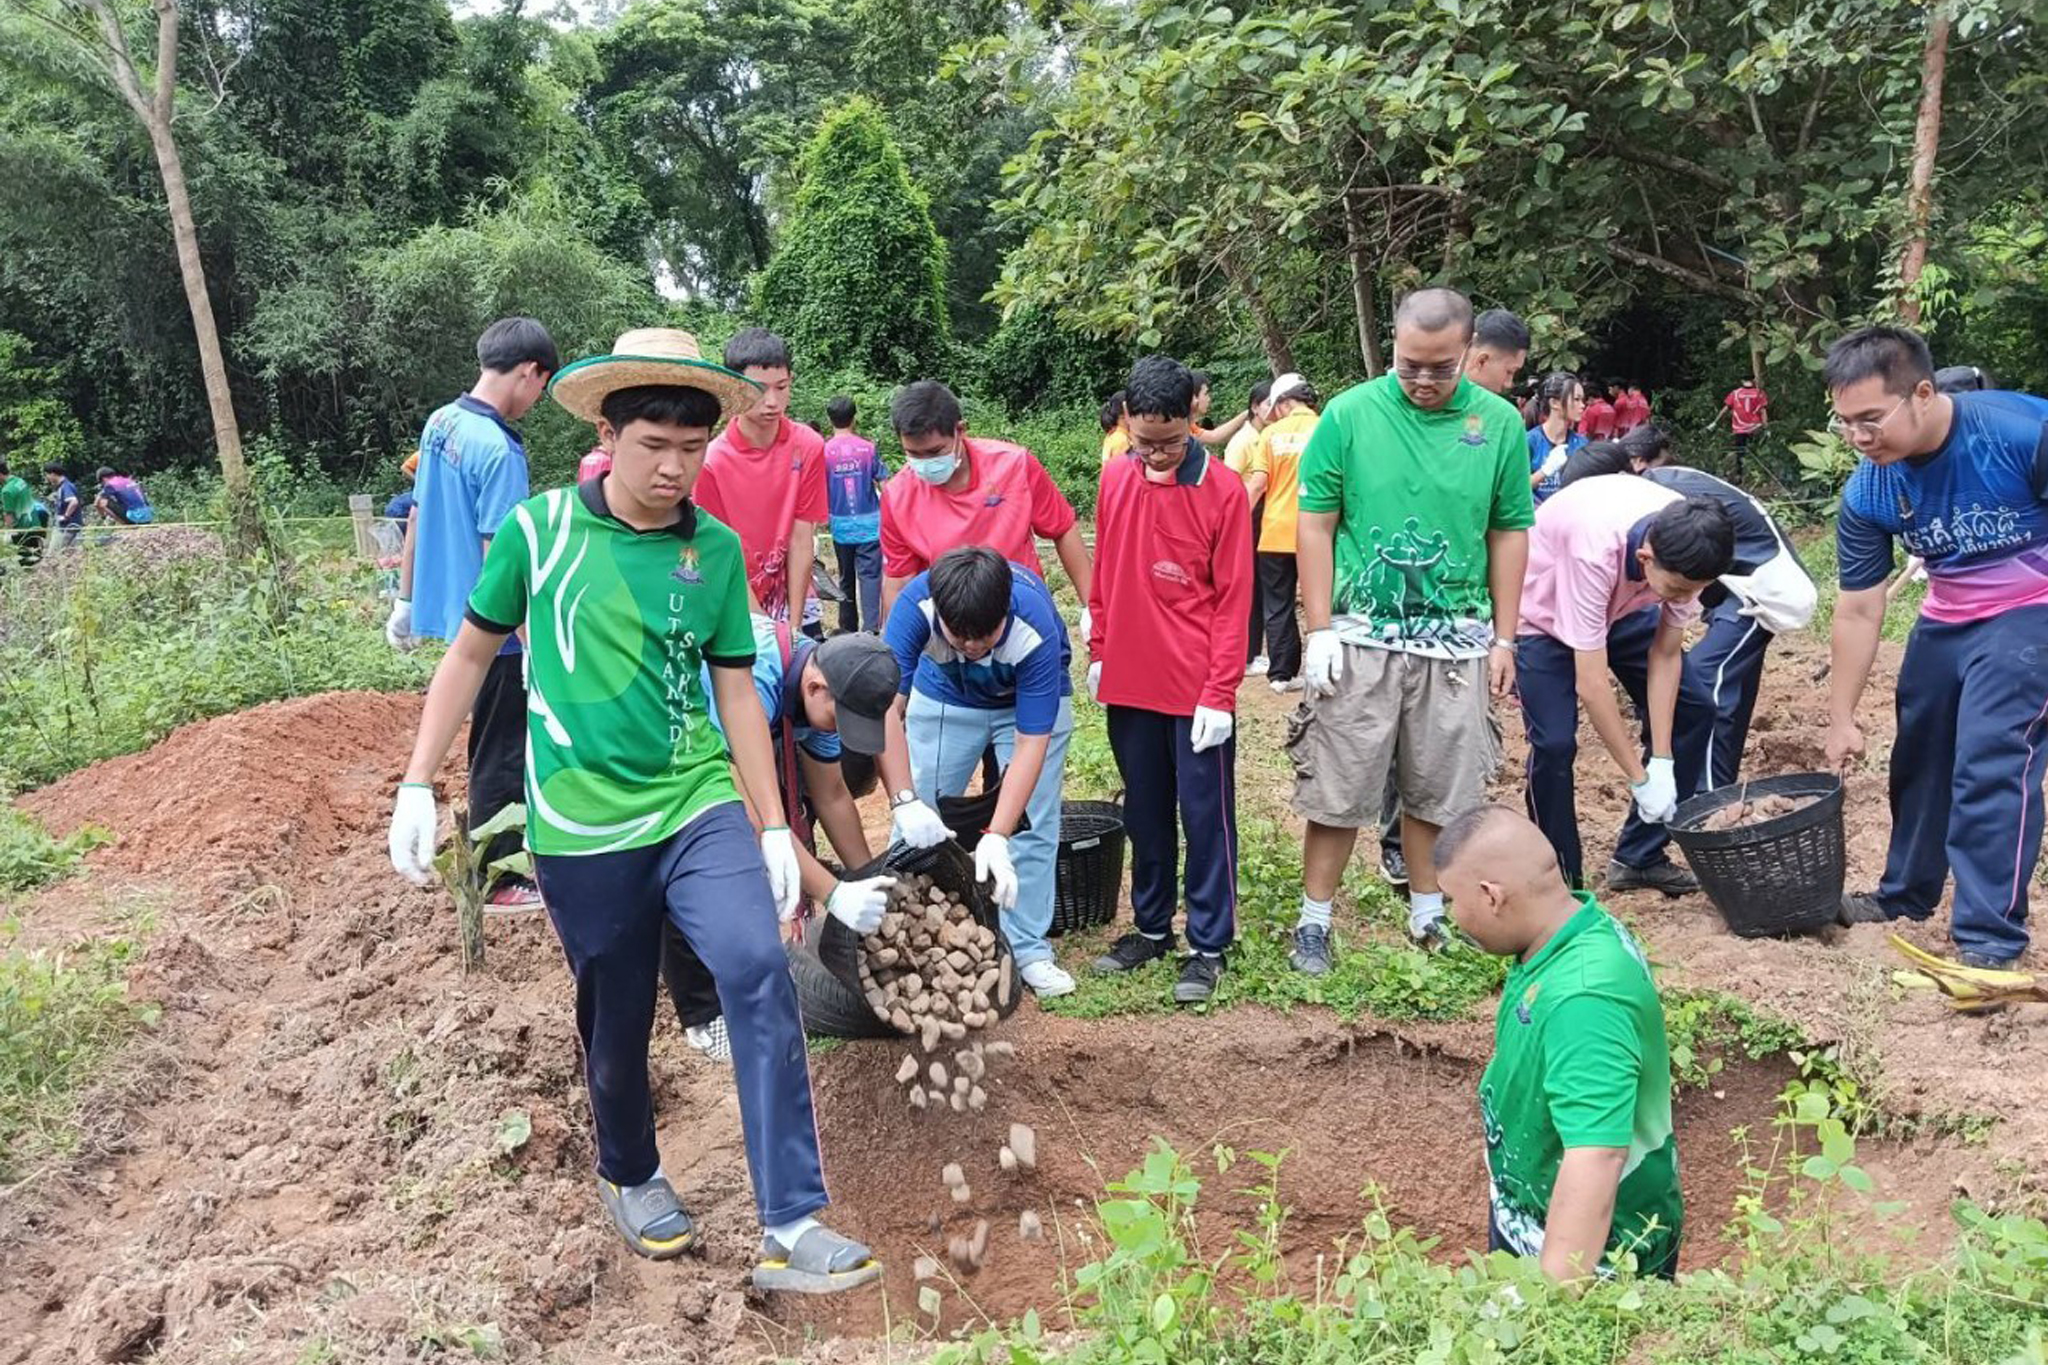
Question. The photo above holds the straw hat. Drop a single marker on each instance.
(650, 355)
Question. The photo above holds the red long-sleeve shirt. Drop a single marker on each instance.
(1173, 585)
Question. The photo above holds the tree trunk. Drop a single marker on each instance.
(1273, 339)
(1364, 291)
(1926, 144)
(245, 523)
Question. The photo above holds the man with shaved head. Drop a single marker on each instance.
(1413, 533)
(1577, 1099)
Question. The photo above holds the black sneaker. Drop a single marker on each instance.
(1665, 876)
(1314, 951)
(1133, 951)
(1985, 962)
(1394, 868)
(1200, 975)
(1860, 909)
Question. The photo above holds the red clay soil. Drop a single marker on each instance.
(329, 1160)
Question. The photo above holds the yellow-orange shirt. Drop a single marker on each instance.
(1115, 444)
(1277, 454)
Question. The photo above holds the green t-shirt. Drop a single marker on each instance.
(621, 751)
(1416, 492)
(1580, 1060)
(17, 501)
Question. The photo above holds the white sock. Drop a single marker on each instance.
(1313, 912)
(1424, 909)
(785, 1235)
(1156, 938)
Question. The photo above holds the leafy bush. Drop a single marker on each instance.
(110, 658)
(859, 277)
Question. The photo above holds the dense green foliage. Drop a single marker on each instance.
(110, 657)
(859, 281)
(1656, 186)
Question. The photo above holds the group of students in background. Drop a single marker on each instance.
(27, 520)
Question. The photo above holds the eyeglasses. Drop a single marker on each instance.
(1146, 452)
(1849, 428)
(1407, 369)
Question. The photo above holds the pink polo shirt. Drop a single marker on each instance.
(1583, 575)
(1009, 502)
(762, 492)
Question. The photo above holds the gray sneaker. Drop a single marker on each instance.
(649, 1216)
(1664, 875)
(1315, 951)
(712, 1039)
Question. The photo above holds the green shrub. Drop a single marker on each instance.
(30, 857)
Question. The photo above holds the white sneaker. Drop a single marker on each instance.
(1257, 667)
(1047, 979)
(711, 1039)
(1290, 685)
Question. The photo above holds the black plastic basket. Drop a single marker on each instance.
(1088, 880)
(1778, 876)
(826, 964)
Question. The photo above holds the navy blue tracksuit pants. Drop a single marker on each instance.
(608, 909)
(1546, 680)
(1966, 775)
(1161, 771)
(1723, 673)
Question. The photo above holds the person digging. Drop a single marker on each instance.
(1581, 1155)
(626, 590)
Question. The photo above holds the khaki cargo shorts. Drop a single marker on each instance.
(1427, 718)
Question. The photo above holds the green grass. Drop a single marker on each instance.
(1378, 973)
(30, 857)
(1707, 1029)
(1817, 552)
(63, 1018)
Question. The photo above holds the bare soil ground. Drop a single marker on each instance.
(352, 1151)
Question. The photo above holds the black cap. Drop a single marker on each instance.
(862, 673)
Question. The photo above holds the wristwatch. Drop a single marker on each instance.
(1499, 643)
(902, 798)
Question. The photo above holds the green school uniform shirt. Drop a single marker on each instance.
(1580, 1060)
(621, 750)
(19, 502)
(1416, 491)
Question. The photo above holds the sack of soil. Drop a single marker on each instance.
(939, 969)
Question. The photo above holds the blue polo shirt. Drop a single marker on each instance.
(1976, 510)
(779, 687)
(472, 474)
(1539, 451)
(67, 495)
(1026, 671)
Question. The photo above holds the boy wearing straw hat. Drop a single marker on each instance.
(626, 589)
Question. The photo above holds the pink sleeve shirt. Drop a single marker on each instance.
(1583, 573)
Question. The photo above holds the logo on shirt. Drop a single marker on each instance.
(1172, 572)
(686, 567)
(1528, 999)
(1475, 430)
(993, 498)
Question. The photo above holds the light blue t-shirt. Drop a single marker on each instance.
(1026, 671)
(773, 683)
(472, 474)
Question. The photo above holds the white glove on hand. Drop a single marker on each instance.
(1095, 681)
(859, 905)
(1657, 793)
(918, 825)
(413, 819)
(1322, 661)
(1087, 626)
(785, 879)
(398, 626)
(1554, 461)
(1210, 729)
(992, 864)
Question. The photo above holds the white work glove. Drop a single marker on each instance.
(918, 825)
(859, 905)
(413, 819)
(1095, 681)
(785, 879)
(1210, 729)
(1322, 664)
(1087, 626)
(992, 864)
(1657, 793)
(398, 626)
(1554, 461)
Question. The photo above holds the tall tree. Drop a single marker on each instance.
(96, 27)
(860, 278)
(1926, 148)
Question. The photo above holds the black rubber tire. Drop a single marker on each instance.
(829, 1009)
